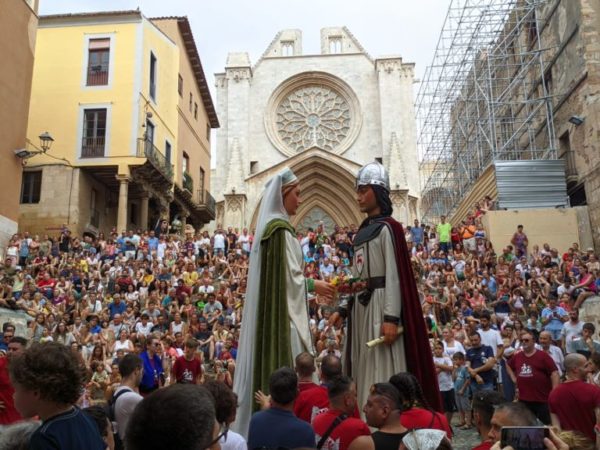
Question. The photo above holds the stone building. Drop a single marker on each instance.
(18, 24)
(323, 115)
(542, 66)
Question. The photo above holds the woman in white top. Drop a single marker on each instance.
(451, 345)
(123, 343)
(177, 326)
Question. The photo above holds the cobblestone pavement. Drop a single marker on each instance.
(464, 439)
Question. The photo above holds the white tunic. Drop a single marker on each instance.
(375, 258)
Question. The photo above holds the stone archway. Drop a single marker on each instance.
(325, 185)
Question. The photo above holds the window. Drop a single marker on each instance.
(565, 152)
(287, 48)
(98, 56)
(168, 151)
(31, 187)
(180, 86)
(196, 111)
(532, 30)
(548, 81)
(153, 64)
(186, 163)
(208, 132)
(191, 101)
(94, 133)
(335, 44)
(253, 167)
(379, 160)
(149, 138)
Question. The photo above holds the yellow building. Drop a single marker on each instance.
(18, 24)
(113, 90)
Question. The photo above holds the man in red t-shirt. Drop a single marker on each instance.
(187, 369)
(535, 375)
(305, 368)
(575, 404)
(312, 401)
(335, 426)
(8, 412)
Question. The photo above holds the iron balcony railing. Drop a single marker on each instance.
(92, 147)
(97, 75)
(204, 198)
(188, 182)
(146, 149)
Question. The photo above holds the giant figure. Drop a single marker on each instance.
(275, 322)
(389, 306)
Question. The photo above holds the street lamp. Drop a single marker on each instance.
(46, 141)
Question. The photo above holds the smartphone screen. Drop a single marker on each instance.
(524, 438)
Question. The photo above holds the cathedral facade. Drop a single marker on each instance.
(324, 116)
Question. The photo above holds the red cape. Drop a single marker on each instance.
(419, 359)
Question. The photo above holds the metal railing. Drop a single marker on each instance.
(97, 75)
(92, 147)
(147, 149)
(204, 198)
(188, 182)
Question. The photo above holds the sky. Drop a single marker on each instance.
(384, 27)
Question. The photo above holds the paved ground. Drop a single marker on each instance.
(464, 439)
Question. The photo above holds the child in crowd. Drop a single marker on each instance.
(443, 367)
(462, 390)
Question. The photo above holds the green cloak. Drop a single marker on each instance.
(273, 343)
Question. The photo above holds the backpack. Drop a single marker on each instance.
(111, 416)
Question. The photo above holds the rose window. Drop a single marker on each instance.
(313, 116)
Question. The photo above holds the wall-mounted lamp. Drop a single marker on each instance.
(576, 120)
(46, 141)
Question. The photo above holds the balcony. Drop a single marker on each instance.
(92, 147)
(207, 202)
(188, 182)
(97, 75)
(146, 149)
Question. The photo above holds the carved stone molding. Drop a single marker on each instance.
(242, 73)
(388, 65)
(313, 109)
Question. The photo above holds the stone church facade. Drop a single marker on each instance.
(322, 115)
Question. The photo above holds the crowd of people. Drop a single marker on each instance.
(142, 310)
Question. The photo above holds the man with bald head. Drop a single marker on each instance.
(555, 352)
(575, 404)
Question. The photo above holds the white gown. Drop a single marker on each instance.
(376, 364)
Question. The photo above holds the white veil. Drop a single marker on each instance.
(271, 207)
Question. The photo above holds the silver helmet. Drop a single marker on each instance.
(373, 174)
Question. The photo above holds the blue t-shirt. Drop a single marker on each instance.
(417, 235)
(113, 309)
(152, 243)
(71, 430)
(276, 428)
(462, 376)
(478, 357)
(555, 324)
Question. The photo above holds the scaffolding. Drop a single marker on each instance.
(484, 98)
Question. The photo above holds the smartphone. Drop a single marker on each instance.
(524, 438)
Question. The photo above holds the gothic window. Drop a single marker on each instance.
(335, 44)
(313, 116)
(287, 48)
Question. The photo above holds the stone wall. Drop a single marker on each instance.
(557, 227)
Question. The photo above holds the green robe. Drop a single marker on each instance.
(273, 344)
